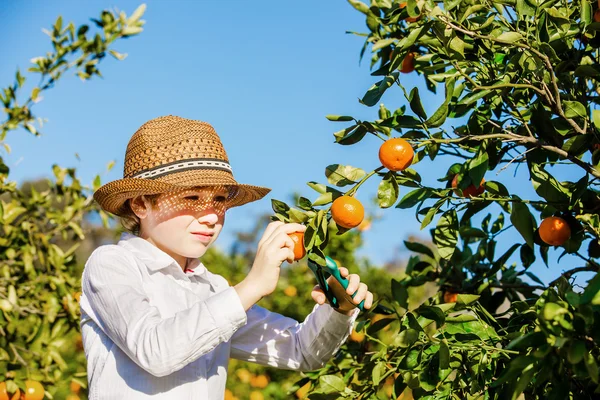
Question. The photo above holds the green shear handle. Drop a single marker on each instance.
(333, 296)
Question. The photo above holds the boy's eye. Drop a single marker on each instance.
(194, 198)
(220, 199)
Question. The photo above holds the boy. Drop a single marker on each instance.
(155, 322)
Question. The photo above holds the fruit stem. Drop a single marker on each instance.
(352, 191)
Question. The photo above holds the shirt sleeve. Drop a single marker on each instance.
(272, 339)
(161, 346)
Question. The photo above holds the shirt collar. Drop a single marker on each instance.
(153, 257)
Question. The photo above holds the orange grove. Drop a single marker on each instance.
(347, 212)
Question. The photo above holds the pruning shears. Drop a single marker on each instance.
(334, 293)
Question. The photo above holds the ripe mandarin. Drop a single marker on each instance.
(347, 212)
(470, 191)
(554, 231)
(34, 390)
(299, 249)
(408, 64)
(396, 154)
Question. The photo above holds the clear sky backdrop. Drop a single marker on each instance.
(263, 73)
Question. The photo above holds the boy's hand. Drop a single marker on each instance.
(346, 302)
(274, 248)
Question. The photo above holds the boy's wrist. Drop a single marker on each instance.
(247, 294)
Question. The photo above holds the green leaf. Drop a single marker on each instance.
(331, 384)
(592, 290)
(414, 197)
(419, 248)
(378, 372)
(591, 366)
(378, 89)
(343, 175)
(509, 37)
(415, 103)
(432, 313)
(553, 310)
(444, 354)
(400, 293)
(547, 186)
(445, 235)
(527, 256)
(478, 167)
(439, 117)
(574, 109)
(339, 118)
(577, 351)
(496, 188)
(350, 135)
(360, 6)
(466, 299)
(406, 338)
(388, 190)
(523, 221)
(596, 118)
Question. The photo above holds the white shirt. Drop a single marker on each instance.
(152, 331)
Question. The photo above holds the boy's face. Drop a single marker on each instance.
(183, 224)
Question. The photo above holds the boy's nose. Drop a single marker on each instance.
(210, 217)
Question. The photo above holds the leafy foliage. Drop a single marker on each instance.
(39, 279)
(518, 86)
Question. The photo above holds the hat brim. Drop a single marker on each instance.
(113, 195)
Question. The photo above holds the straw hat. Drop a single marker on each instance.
(169, 154)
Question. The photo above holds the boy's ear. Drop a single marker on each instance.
(139, 206)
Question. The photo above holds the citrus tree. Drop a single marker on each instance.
(40, 347)
(517, 85)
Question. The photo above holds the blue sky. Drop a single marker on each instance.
(264, 74)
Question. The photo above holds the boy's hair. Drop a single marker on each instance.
(129, 220)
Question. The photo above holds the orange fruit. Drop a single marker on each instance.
(244, 375)
(299, 250)
(73, 397)
(259, 381)
(3, 391)
(290, 291)
(357, 336)
(554, 231)
(75, 387)
(79, 342)
(396, 154)
(450, 296)
(16, 395)
(470, 191)
(77, 296)
(228, 395)
(256, 395)
(301, 393)
(408, 64)
(34, 390)
(347, 212)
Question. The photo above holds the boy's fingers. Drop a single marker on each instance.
(318, 295)
(286, 229)
(269, 231)
(344, 271)
(354, 282)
